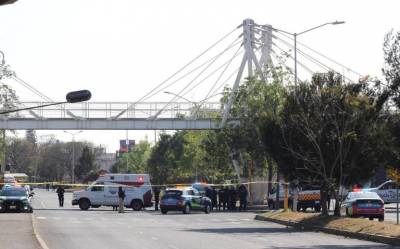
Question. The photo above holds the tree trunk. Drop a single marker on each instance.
(324, 207)
(337, 204)
(270, 172)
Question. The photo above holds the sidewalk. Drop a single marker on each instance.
(16, 231)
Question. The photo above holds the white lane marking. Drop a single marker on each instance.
(140, 232)
(41, 218)
(43, 205)
(88, 218)
(42, 244)
(245, 219)
(216, 220)
(154, 238)
(173, 247)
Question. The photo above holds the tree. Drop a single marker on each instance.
(331, 130)
(85, 163)
(136, 159)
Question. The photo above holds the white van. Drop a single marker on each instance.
(104, 192)
(387, 191)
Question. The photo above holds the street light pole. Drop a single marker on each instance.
(73, 154)
(295, 43)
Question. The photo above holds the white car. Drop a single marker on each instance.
(387, 191)
(104, 192)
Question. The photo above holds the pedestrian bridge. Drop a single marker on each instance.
(116, 116)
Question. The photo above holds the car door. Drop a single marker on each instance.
(97, 194)
(195, 199)
(111, 196)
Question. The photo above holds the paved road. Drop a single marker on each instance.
(103, 228)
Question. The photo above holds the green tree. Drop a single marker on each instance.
(85, 163)
(136, 159)
(329, 128)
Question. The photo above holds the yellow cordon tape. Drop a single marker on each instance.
(150, 185)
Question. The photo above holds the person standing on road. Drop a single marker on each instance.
(232, 198)
(121, 196)
(226, 198)
(156, 197)
(214, 198)
(221, 199)
(243, 197)
(60, 193)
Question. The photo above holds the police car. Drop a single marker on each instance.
(15, 199)
(185, 200)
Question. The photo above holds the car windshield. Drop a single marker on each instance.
(13, 192)
(362, 195)
(172, 194)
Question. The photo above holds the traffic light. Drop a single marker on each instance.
(78, 96)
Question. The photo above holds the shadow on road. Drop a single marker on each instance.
(333, 247)
(233, 230)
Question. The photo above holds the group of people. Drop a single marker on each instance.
(228, 197)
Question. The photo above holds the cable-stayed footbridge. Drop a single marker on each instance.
(249, 50)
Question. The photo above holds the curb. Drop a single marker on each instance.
(361, 236)
(42, 244)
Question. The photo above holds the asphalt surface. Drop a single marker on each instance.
(16, 231)
(70, 227)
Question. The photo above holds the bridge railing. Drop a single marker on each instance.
(108, 110)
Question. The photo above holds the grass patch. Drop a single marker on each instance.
(341, 223)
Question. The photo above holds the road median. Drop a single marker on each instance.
(349, 227)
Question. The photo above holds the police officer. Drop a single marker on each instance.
(156, 197)
(243, 197)
(60, 193)
(214, 198)
(232, 198)
(121, 196)
(221, 199)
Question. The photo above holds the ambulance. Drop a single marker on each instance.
(104, 192)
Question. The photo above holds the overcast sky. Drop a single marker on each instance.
(119, 49)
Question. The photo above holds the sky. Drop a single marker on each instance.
(120, 49)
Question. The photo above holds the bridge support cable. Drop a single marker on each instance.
(195, 69)
(146, 96)
(322, 55)
(313, 59)
(192, 81)
(215, 83)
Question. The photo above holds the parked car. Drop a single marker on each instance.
(364, 204)
(309, 197)
(272, 197)
(387, 191)
(104, 192)
(15, 199)
(184, 200)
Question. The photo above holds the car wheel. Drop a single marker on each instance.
(84, 204)
(270, 205)
(207, 209)
(370, 218)
(163, 211)
(317, 209)
(298, 208)
(304, 209)
(382, 218)
(136, 205)
(187, 209)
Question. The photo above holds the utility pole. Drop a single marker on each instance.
(73, 155)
